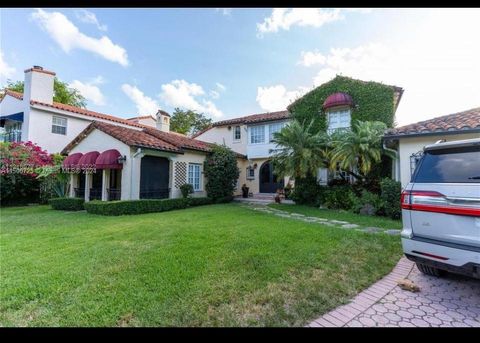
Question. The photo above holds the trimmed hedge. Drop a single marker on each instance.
(67, 204)
(125, 207)
(390, 194)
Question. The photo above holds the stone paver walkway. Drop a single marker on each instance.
(323, 221)
(449, 301)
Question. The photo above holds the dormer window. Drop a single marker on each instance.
(338, 110)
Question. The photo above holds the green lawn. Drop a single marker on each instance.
(381, 222)
(217, 265)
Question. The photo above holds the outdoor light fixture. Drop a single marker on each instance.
(121, 159)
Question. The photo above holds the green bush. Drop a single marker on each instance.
(125, 207)
(221, 172)
(306, 191)
(223, 200)
(339, 197)
(117, 208)
(67, 204)
(199, 201)
(390, 194)
(186, 190)
(368, 203)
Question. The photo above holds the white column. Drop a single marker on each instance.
(135, 176)
(88, 185)
(105, 183)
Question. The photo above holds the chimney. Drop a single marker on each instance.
(163, 121)
(38, 85)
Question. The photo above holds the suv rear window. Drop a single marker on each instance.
(456, 165)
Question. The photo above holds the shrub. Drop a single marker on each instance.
(117, 208)
(67, 204)
(339, 197)
(223, 200)
(199, 201)
(186, 190)
(306, 191)
(368, 203)
(390, 194)
(221, 172)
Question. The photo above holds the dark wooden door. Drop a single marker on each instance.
(269, 182)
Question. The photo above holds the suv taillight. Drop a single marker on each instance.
(430, 201)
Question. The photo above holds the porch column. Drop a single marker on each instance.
(73, 184)
(105, 183)
(88, 185)
(135, 175)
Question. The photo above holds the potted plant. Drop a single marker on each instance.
(245, 191)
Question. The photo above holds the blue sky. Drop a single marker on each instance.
(234, 62)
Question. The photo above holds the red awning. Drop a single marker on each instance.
(109, 160)
(88, 160)
(72, 160)
(338, 99)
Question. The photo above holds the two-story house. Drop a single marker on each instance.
(35, 116)
(333, 105)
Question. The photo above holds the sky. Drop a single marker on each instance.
(230, 62)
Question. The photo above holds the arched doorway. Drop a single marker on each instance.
(269, 182)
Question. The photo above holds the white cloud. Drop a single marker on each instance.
(284, 18)
(6, 71)
(180, 93)
(310, 58)
(277, 98)
(436, 64)
(90, 18)
(68, 36)
(220, 87)
(145, 105)
(214, 94)
(90, 90)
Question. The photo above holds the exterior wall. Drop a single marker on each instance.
(10, 105)
(148, 121)
(261, 150)
(221, 134)
(99, 141)
(178, 178)
(408, 146)
(254, 184)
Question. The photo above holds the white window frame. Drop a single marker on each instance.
(339, 114)
(275, 127)
(257, 131)
(235, 139)
(60, 122)
(249, 176)
(193, 169)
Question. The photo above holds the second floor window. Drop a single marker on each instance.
(59, 125)
(338, 119)
(194, 176)
(272, 128)
(237, 133)
(257, 134)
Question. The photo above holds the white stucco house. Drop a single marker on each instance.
(408, 141)
(34, 115)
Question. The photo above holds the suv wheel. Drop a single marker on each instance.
(429, 270)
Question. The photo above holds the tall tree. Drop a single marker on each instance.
(300, 152)
(359, 149)
(62, 93)
(188, 121)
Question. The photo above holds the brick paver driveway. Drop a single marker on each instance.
(451, 300)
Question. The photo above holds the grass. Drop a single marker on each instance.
(217, 265)
(364, 220)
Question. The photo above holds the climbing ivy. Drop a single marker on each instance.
(373, 101)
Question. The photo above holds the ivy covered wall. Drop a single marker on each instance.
(373, 101)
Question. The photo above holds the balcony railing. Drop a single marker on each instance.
(339, 130)
(79, 192)
(114, 194)
(95, 194)
(11, 136)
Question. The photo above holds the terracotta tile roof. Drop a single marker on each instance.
(129, 136)
(461, 121)
(179, 140)
(77, 110)
(142, 117)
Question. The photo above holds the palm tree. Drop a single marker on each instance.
(358, 149)
(299, 152)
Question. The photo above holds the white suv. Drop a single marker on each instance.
(441, 210)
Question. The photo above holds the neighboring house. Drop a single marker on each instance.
(34, 116)
(409, 140)
(333, 105)
(127, 163)
(146, 120)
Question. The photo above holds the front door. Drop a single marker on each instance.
(269, 183)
